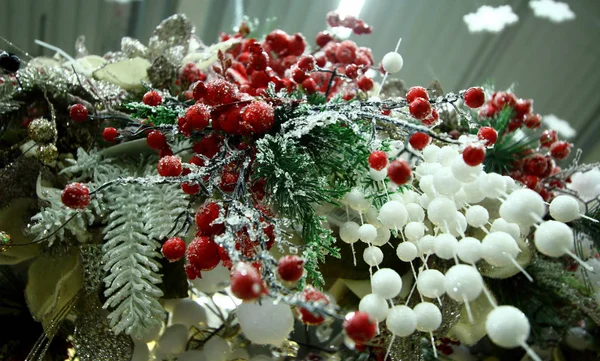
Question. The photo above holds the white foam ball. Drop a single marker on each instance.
(492, 185)
(445, 183)
(501, 225)
(383, 236)
(424, 200)
(426, 244)
(460, 198)
(356, 200)
(173, 340)
(349, 232)
(212, 281)
(375, 306)
(191, 355)
(386, 283)
(456, 227)
(413, 231)
(393, 215)
(473, 193)
(565, 209)
(498, 248)
(441, 209)
(373, 256)
(429, 316)
(446, 155)
(431, 283)
(445, 246)
(586, 184)
(426, 185)
(377, 175)
(468, 250)
(463, 282)
(477, 216)
(553, 238)
(367, 233)
(415, 212)
(401, 321)
(523, 206)
(371, 215)
(464, 172)
(406, 251)
(188, 312)
(511, 185)
(140, 351)
(507, 326)
(253, 317)
(425, 168)
(216, 349)
(151, 334)
(430, 153)
(392, 62)
(409, 196)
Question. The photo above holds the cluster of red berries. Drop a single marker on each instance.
(522, 110)
(188, 75)
(419, 106)
(358, 26)
(398, 170)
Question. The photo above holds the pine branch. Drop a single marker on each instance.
(157, 115)
(164, 204)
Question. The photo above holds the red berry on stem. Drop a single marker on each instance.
(290, 268)
(474, 97)
(533, 121)
(299, 75)
(416, 92)
(197, 117)
(473, 155)
(203, 253)
(259, 116)
(548, 137)
(205, 216)
(487, 135)
(109, 134)
(419, 140)
(76, 196)
(311, 294)
(346, 52)
(535, 164)
(277, 40)
(156, 140)
(246, 283)
(501, 99)
(152, 98)
(307, 63)
(399, 171)
(296, 44)
(258, 61)
(560, 150)
(78, 112)
(360, 326)
(378, 160)
(199, 90)
(169, 166)
(431, 119)
(173, 249)
(365, 83)
(323, 38)
(523, 108)
(220, 91)
(351, 71)
(209, 145)
(309, 85)
(419, 108)
(530, 181)
(166, 151)
(190, 188)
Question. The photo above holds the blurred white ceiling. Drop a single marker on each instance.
(555, 64)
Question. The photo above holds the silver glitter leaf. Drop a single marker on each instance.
(174, 31)
(133, 48)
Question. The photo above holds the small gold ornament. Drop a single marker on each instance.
(5, 241)
(41, 130)
(288, 348)
(47, 153)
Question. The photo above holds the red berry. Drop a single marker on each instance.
(487, 135)
(419, 108)
(500, 99)
(416, 92)
(190, 188)
(299, 75)
(307, 63)
(206, 215)
(296, 44)
(378, 160)
(152, 98)
(203, 253)
(173, 249)
(351, 71)
(197, 117)
(166, 151)
(473, 155)
(419, 140)
(560, 150)
(346, 52)
(246, 283)
(309, 85)
(365, 83)
(431, 119)
(550, 165)
(548, 137)
(258, 61)
(535, 164)
(488, 111)
(530, 181)
(78, 112)
(258, 116)
(220, 91)
(109, 134)
(290, 268)
(533, 121)
(474, 97)
(156, 140)
(399, 171)
(169, 166)
(277, 40)
(208, 146)
(311, 294)
(199, 90)
(360, 326)
(229, 178)
(523, 108)
(75, 195)
(323, 38)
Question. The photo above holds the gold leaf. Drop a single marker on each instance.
(12, 222)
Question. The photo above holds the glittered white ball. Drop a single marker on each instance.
(406, 251)
(445, 183)
(424, 201)
(188, 312)
(373, 256)
(460, 198)
(377, 175)
(375, 306)
(386, 283)
(367, 233)
(468, 250)
(383, 236)
(446, 155)
(523, 206)
(393, 215)
(415, 212)
(492, 185)
(429, 316)
(507, 326)
(463, 283)
(409, 196)
(431, 283)
(349, 232)
(553, 238)
(426, 244)
(473, 193)
(440, 210)
(426, 185)
(445, 246)
(151, 334)
(253, 317)
(401, 321)
(173, 340)
(477, 216)
(392, 62)
(430, 153)
(216, 349)
(578, 338)
(565, 209)
(413, 231)
(497, 248)
(356, 200)
(501, 225)
(464, 172)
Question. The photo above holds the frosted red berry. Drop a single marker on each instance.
(173, 249)
(203, 253)
(76, 196)
(209, 145)
(365, 83)
(487, 135)
(246, 283)
(473, 155)
(220, 91)
(78, 112)
(277, 40)
(205, 216)
(156, 140)
(548, 137)
(419, 140)
(197, 117)
(502, 99)
(416, 92)
(169, 166)
(399, 171)
(560, 150)
(431, 119)
(190, 188)
(258, 116)
(258, 61)
(378, 160)
(360, 326)
(323, 38)
(346, 52)
(474, 97)
(307, 63)
(290, 268)
(419, 108)
(109, 134)
(296, 44)
(299, 75)
(533, 121)
(535, 164)
(152, 98)
(309, 85)
(351, 71)
(311, 294)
